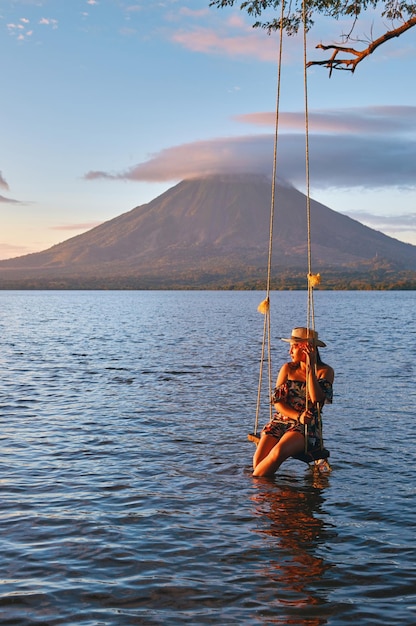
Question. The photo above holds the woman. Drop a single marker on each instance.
(295, 414)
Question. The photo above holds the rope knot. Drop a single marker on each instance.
(264, 306)
(314, 279)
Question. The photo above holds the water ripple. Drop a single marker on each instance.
(125, 484)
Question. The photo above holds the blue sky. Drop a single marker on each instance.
(107, 103)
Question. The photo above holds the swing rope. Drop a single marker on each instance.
(310, 322)
(313, 279)
(264, 306)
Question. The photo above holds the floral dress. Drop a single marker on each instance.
(293, 393)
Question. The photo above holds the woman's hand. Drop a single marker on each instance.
(305, 417)
(310, 351)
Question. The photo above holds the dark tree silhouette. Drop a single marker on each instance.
(399, 14)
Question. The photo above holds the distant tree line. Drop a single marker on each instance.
(251, 279)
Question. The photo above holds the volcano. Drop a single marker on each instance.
(211, 231)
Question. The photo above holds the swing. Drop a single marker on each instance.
(318, 454)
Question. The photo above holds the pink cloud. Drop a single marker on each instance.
(96, 174)
(3, 182)
(191, 159)
(250, 43)
(374, 119)
(81, 226)
(193, 12)
(372, 147)
(9, 251)
(46, 21)
(4, 200)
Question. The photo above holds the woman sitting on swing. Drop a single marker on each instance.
(296, 415)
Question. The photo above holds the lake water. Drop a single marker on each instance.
(126, 488)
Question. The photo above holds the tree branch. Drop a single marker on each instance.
(349, 64)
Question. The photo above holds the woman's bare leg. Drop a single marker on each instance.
(291, 443)
(266, 443)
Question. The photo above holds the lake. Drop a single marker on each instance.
(126, 487)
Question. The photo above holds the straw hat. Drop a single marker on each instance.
(305, 334)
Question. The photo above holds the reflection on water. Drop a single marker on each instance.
(293, 526)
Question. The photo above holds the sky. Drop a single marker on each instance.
(106, 104)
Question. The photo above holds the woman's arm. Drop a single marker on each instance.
(283, 407)
(315, 391)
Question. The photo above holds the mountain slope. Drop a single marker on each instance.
(215, 224)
